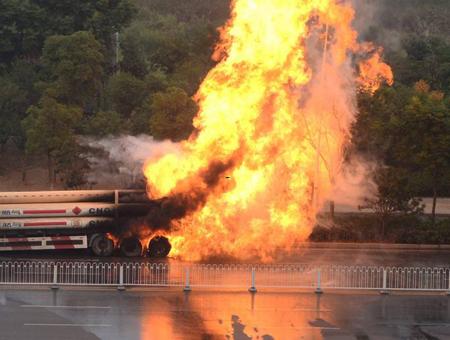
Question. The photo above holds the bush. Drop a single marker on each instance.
(365, 228)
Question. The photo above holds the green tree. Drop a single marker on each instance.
(17, 94)
(72, 165)
(75, 67)
(104, 123)
(373, 130)
(26, 24)
(179, 46)
(21, 31)
(126, 93)
(172, 112)
(50, 129)
(395, 194)
(156, 81)
(134, 59)
(215, 11)
(424, 142)
(408, 129)
(13, 104)
(140, 118)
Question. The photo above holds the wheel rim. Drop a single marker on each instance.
(103, 246)
(159, 246)
(131, 247)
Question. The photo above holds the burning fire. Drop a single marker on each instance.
(273, 122)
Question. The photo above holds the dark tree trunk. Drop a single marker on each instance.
(51, 171)
(332, 210)
(24, 168)
(433, 208)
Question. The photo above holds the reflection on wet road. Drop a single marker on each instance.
(171, 314)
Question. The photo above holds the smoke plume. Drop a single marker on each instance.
(117, 162)
(180, 204)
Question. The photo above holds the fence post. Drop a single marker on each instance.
(121, 287)
(55, 277)
(252, 288)
(448, 283)
(384, 290)
(319, 279)
(187, 284)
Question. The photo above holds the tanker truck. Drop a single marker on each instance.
(80, 219)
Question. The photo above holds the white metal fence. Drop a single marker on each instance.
(190, 276)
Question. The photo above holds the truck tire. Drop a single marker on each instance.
(102, 245)
(131, 247)
(159, 246)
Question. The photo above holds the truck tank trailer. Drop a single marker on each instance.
(77, 219)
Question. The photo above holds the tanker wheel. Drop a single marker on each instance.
(159, 246)
(131, 247)
(102, 245)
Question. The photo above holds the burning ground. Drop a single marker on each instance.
(270, 133)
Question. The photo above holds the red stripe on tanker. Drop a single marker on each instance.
(44, 224)
(43, 212)
(57, 209)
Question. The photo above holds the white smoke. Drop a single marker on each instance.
(354, 183)
(118, 161)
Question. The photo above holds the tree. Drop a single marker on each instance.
(21, 31)
(126, 92)
(424, 142)
(104, 123)
(26, 24)
(172, 112)
(395, 193)
(373, 131)
(156, 81)
(17, 94)
(179, 46)
(216, 11)
(75, 67)
(72, 165)
(134, 59)
(13, 104)
(50, 129)
(140, 118)
(408, 129)
(427, 59)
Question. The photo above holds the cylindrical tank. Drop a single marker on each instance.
(54, 223)
(70, 209)
(113, 196)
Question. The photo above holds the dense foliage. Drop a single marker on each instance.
(110, 67)
(100, 68)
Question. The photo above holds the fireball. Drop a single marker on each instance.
(273, 121)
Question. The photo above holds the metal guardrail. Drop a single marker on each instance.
(189, 276)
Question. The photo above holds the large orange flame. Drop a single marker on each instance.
(276, 111)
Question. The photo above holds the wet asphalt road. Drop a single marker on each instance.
(342, 256)
(69, 313)
(171, 314)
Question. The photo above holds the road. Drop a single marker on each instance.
(331, 255)
(172, 314)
